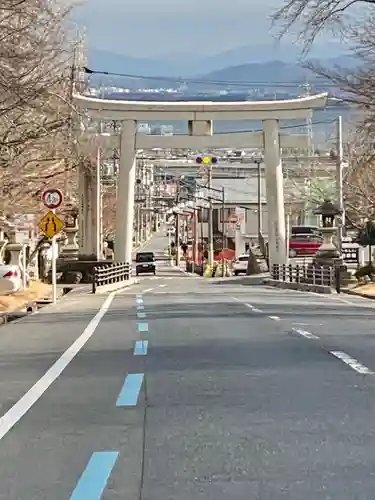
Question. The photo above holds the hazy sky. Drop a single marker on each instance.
(175, 27)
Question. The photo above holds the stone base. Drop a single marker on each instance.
(69, 253)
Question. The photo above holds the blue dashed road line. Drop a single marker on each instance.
(142, 327)
(140, 348)
(130, 390)
(95, 477)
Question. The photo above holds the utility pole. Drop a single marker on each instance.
(98, 196)
(177, 235)
(195, 243)
(339, 182)
(222, 230)
(67, 160)
(210, 245)
(259, 161)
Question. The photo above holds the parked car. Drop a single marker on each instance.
(240, 265)
(10, 279)
(304, 245)
(145, 263)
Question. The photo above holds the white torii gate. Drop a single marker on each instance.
(199, 116)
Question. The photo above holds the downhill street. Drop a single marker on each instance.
(191, 389)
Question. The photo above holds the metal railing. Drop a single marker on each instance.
(108, 274)
(309, 274)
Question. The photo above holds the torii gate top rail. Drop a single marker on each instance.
(201, 110)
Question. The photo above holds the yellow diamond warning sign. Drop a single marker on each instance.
(51, 225)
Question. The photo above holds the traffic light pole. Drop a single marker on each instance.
(195, 242)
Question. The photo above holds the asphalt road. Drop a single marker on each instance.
(190, 389)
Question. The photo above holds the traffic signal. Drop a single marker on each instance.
(207, 160)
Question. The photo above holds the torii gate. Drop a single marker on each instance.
(199, 116)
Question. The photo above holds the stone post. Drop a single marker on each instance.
(71, 248)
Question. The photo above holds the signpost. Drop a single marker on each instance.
(51, 225)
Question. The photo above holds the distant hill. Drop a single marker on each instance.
(273, 71)
(276, 71)
(254, 72)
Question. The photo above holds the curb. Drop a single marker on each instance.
(358, 294)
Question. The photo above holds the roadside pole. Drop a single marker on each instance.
(54, 258)
(51, 225)
(222, 231)
(339, 182)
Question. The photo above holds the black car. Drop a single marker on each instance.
(145, 263)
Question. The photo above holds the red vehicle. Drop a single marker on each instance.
(304, 245)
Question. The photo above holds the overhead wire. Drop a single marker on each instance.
(219, 82)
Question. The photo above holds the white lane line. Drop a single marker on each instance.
(148, 290)
(23, 405)
(254, 309)
(352, 362)
(162, 286)
(275, 318)
(249, 306)
(305, 333)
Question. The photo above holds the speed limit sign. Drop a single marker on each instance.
(52, 198)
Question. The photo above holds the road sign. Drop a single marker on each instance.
(51, 225)
(52, 198)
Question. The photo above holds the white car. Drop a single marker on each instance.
(240, 265)
(10, 279)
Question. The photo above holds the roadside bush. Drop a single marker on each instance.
(365, 271)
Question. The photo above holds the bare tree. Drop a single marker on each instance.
(312, 17)
(35, 99)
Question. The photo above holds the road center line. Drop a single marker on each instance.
(142, 327)
(305, 333)
(275, 318)
(130, 390)
(95, 477)
(23, 405)
(352, 362)
(148, 290)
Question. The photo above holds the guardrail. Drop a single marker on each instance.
(109, 274)
(310, 274)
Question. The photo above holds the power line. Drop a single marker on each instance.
(181, 80)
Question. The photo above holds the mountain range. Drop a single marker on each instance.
(168, 73)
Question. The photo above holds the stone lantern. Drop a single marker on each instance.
(71, 248)
(328, 253)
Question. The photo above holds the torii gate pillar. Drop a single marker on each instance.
(275, 193)
(125, 193)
